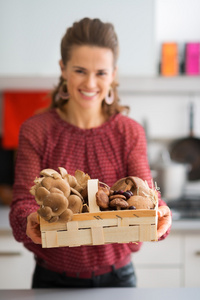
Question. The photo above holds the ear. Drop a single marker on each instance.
(62, 68)
(114, 74)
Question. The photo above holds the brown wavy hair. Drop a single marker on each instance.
(92, 32)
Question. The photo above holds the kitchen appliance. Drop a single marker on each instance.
(185, 208)
(187, 150)
(170, 177)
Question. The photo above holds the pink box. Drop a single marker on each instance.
(192, 59)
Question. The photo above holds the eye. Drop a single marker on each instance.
(101, 73)
(79, 71)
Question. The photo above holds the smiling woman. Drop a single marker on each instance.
(83, 130)
(89, 53)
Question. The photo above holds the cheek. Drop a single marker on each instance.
(72, 83)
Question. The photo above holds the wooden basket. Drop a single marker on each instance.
(101, 227)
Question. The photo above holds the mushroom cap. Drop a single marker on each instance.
(75, 204)
(84, 193)
(119, 185)
(40, 194)
(138, 186)
(66, 216)
(119, 202)
(75, 192)
(57, 202)
(117, 196)
(50, 173)
(102, 199)
(140, 202)
(82, 179)
(61, 184)
(71, 180)
(63, 172)
(45, 213)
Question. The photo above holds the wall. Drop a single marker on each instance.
(148, 21)
(176, 21)
(30, 33)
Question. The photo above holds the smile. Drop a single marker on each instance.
(88, 94)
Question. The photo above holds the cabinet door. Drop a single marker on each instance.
(160, 264)
(16, 263)
(165, 252)
(158, 277)
(192, 260)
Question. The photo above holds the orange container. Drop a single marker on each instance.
(169, 59)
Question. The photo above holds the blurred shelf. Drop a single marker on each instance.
(160, 85)
(133, 85)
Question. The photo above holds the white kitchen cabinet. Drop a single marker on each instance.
(158, 277)
(192, 260)
(173, 262)
(16, 263)
(160, 264)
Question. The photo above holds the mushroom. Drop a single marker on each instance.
(75, 204)
(140, 187)
(85, 208)
(135, 184)
(57, 199)
(40, 193)
(119, 203)
(119, 185)
(102, 199)
(45, 213)
(57, 202)
(66, 216)
(82, 180)
(76, 193)
(50, 173)
(63, 172)
(140, 202)
(71, 180)
(118, 196)
(49, 182)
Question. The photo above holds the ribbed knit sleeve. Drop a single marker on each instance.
(27, 168)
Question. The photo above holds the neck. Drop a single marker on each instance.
(84, 119)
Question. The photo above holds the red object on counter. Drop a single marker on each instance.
(17, 107)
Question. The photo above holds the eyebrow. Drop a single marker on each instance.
(84, 69)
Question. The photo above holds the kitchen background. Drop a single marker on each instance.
(30, 33)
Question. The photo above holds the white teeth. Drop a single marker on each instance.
(88, 94)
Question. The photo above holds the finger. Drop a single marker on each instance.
(163, 211)
(162, 230)
(34, 236)
(33, 232)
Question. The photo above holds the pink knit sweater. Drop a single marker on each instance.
(112, 151)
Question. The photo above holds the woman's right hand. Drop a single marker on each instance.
(33, 228)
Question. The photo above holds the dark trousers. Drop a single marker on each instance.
(123, 277)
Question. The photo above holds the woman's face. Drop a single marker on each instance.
(89, 74)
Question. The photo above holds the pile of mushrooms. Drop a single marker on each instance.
(127, 193)
(60, 195)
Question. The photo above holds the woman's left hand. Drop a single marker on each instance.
(164, 220)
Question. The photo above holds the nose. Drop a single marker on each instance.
(90, 81)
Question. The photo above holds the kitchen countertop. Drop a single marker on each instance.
(180, 226)
(103, 293)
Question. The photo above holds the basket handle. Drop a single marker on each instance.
(92, 186)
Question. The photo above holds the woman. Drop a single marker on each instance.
(85, 130)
